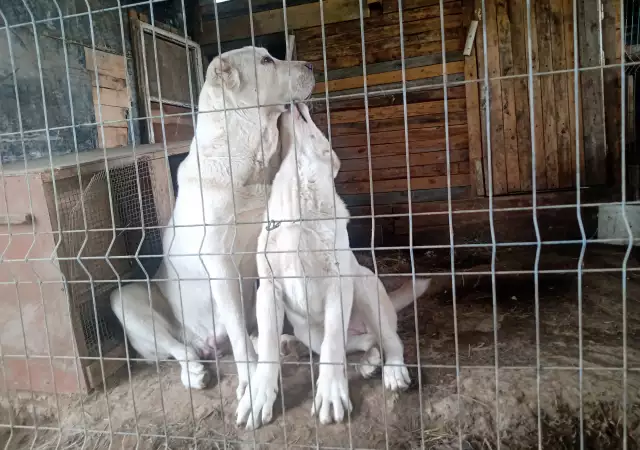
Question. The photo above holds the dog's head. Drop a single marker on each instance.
(250, 75)
(299, 133)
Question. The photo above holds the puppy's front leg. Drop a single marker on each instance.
(226, 295)
(332, 392)
(256, 405)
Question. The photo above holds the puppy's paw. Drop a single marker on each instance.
(370, 362)
(256, 405)
(332, 396)
(194, 375)
(396, 376)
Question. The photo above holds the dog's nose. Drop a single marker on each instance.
(309, 66)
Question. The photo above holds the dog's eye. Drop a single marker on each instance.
(267, 60)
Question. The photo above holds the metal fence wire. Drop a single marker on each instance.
(487, 145)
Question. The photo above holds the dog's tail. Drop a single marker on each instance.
(403, 296)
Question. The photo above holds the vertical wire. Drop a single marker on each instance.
(164, 146)
(235, 217)
(9, 242)
(372, 197)
(623, 206)
(28, 184)
(113, 225)
(335, 238)
(33, 225)
(583, 248)
(450, 217)
(410, 211)
(67, 289)
(534, 217)
(118, 278)
(491, 218)
(170, 187)
(196, 142)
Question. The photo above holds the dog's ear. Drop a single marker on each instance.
(222, 73)
(336, 164)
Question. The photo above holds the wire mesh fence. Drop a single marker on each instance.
(488, 146)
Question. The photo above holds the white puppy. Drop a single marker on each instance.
(222, 182)
(320, 289)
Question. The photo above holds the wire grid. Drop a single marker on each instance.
(104, 225)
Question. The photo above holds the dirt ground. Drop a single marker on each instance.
(441, 410)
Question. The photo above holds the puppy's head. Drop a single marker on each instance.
(299, 133)
(250, 75)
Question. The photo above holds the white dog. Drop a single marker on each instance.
(222, 182)
(314, 284)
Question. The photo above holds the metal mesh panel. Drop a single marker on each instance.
(488, 145)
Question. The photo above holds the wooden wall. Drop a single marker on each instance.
(554, 100)
(425, 107)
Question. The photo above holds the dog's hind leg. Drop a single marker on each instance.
(140, 321)
(371, 359)
(380, 317)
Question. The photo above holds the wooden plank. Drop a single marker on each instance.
(518, 20)
(272, 21)
(401, 184)
(508, 98)
(456, 142)
(561, 95)
(573, 101)
(482, 91)
(390, 137)
(538, 118)
(320, 107)
(612, 84)
(593, 131)
(110, 97)
(412, 48)
(107, 81)
(400, 160)
(388, 112)
(113, 116)
(415, 73)
(113, 137)
(413, 123)
(313, 36)
(107, 63)
(350, 43)
(387, 66)
(545, 57)
(499, 169)
(473, 112)
(401, 172)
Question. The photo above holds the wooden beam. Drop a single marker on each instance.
(474, 124)
(298, 17)
(415, 73)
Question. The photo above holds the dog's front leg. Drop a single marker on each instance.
(332, 391)
(225, 288)
(256, 406)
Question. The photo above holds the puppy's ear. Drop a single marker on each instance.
(222, 73)
(336, 164)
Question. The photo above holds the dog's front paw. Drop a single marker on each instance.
(256, 405)
(244, 372)
(332, 396)
(194, 375)
(396, 376)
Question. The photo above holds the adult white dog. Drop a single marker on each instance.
(222, 182)
(321, 290)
